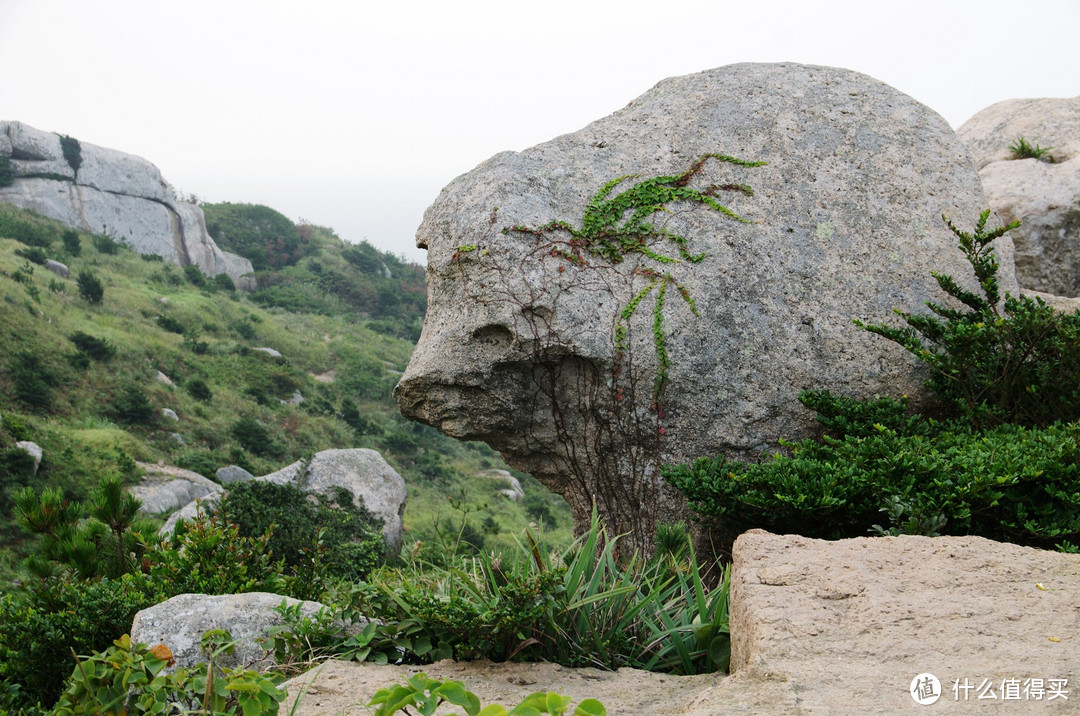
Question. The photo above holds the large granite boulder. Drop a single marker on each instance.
(364, 473)
(165, 488)
(1044, 195)
(588, 360)
(112, 193)
(179, 623)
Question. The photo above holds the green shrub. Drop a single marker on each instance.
(195, 276)
(426, 694)
(133, 407)
(1018, 364)
(264, 236)
(25, 232)
(90, 287)
(253, 436)
(39, 631)
(198, 389)
(33, 379)
(200, 461)
(97, 349)
(223, 283)
(347, 540)
(208, 555)
(1008, 483)
(170, 324)
(127, 678)
(105, 244)
(72, 246)
(33, 254)
(72, 151)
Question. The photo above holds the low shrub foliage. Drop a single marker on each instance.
(1003, 460)
(588, 606)
(425, 695)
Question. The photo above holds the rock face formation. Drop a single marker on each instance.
(1043, 195)
(650, 325)
(112, 193)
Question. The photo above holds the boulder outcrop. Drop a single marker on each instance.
(594, 312)
(179, 623)
(164, 489)
(112, 193)
(364, 473)
(1044, 195)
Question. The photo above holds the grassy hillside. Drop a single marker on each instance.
(81, 379)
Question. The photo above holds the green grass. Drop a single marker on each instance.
(83, 437)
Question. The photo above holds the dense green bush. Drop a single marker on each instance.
(195, 276)
(170, 324)
(905, 475)
(994, 363)
(33, 379)
(39, 631)
(223, 283)
(133, 407)
(264, 236)
(94, 348)
(72, 246)
(33, 254)
(253, 436)
(90, 287)
(200, 461)
(1006, 466)
(349, 537)
(105, 244)
(72, 151)
(208, 555)
(198, 389)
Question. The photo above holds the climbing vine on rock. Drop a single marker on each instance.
(614, 227)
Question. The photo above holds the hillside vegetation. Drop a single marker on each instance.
(79, 373)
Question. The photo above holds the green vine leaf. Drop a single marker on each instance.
(613, 227)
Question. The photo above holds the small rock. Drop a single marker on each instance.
(233, 473)
(180, 622)
(163, 379)
(268, 351)
(178, 438)
(33, 449)
(513, 490)
(57, 268)
(170, 414)
(296, 399)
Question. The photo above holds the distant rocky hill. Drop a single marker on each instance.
(109, 192)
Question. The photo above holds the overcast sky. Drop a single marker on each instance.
(354, 115)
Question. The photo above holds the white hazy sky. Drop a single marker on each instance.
(353, 114)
